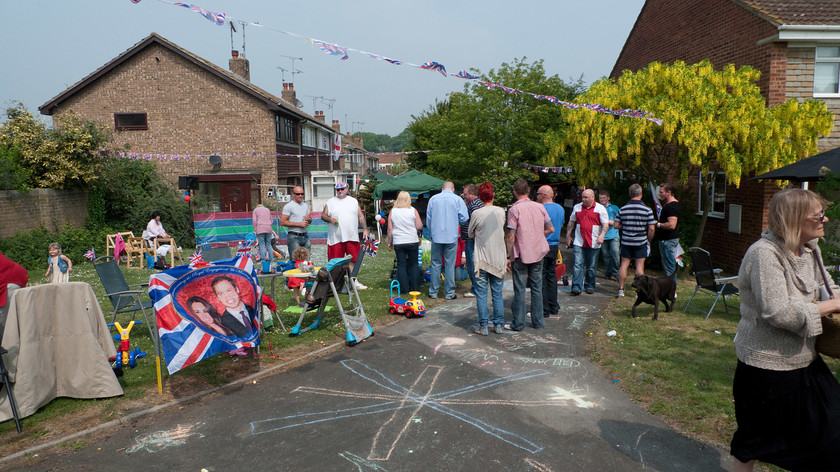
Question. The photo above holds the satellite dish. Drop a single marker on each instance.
(216, 161)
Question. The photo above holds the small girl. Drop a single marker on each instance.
(59, 264)
(299, 256)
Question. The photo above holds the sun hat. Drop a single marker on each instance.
(340, 185)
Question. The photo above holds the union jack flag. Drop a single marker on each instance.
(135, 1)
(196, 257)
(465, 75)
(90, 254)
(185, 338)
(371, 246)
(215, 17)
(382, 58)
(434, 66)
(332, 49)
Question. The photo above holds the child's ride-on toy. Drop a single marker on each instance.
(409, 308)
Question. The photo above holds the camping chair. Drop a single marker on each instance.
(211, 254)
(708, 281)
(110, 241)
(4, 374)
(137, 251)
(123, 298)
(173, 250)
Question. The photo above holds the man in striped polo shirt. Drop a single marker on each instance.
(637, 224)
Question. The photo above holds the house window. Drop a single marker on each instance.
(284, 129)
(325, 141)
(308, 136)
(717, 192)
(130, 121)
(827, 70)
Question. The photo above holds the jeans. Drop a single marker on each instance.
(469, 251)
(408, 272)
(447, 252)
(667, 251)
(532, 275)
(293, 240)
(583, 276)
(266, 252)
(549, 282)
(610, 252)
(480, 289)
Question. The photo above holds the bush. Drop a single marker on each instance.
(31, 249)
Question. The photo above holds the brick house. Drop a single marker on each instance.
(796, 47)
(203, 124)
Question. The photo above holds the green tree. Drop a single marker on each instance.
(13, 176)
(712, 121)
(66, 156)
(478, 130)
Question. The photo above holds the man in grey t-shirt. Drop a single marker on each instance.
(295, 217)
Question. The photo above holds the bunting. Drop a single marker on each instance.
(218, 18)
(332, 49)
(546, 170)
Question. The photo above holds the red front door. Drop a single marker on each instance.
(235, 195)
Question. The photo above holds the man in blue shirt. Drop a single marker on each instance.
(444, 214)
(610, 248)
(545, 195)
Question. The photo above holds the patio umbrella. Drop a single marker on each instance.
(810, 169)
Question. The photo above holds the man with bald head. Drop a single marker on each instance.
(545, 195)
(589, 221)
(444, 215)
(295, 217)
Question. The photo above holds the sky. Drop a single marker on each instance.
(50, 45)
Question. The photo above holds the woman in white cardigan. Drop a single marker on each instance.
(787, 402)
(487, 228)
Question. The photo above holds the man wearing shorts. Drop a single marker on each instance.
(637, 224)
(343, 216)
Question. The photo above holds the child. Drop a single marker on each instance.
(299, 255)
(59, 264)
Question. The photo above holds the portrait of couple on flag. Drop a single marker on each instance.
(202, 311)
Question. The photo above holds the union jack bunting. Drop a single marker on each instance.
(381, 58)
(332, 49)
(135, 1)
(465, 75)
(434, 66)
(218, 18)
(90, 254)
(193, 323)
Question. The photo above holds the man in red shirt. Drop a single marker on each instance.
(589, 221)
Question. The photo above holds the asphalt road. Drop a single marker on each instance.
(421, 395)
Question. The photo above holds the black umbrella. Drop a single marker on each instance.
(810, 169)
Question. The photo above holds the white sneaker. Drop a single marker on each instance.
(469, 295)
(621, 293)
(359, 285)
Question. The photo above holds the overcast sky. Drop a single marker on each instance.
(50, 45)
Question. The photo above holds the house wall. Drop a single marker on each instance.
(52, 209)
(189, 111)
(800, 85)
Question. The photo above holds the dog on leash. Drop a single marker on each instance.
(654, 290)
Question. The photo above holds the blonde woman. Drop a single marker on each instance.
(403, 224)
(787, 402)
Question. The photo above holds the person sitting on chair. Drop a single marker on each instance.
(154, 229)
(237, 315)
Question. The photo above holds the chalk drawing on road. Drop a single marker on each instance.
(522, 340)
(160, 440)
(562, 362)
(449, 341)
(563, 394)
(576, 308)
(537, 466)
(361, 463)
(578, 322)
(397, 398)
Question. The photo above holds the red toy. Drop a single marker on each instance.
(409, 308)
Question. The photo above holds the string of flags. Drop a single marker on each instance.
(179, 157)
(545, 170)
(342, 52)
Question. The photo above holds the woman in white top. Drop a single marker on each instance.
(154, 229)
(403, 224)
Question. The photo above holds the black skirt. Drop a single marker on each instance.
(788, 418)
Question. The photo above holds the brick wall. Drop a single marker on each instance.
(189, 111)
(52, 209)
(800, 85)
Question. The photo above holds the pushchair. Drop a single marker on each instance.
(328, 281)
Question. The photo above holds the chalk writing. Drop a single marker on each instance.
(563, 394)
(552, 361)
(578, 322)
(160, 440)
(522, 340)
(537, 466)
(361, 463)
(396, 397)
(572, 308)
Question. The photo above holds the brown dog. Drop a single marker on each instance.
(654, 290)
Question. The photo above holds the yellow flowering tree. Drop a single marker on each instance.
(711, 120)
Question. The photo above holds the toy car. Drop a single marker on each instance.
(409, 308)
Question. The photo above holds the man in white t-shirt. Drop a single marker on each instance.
(295, 217)
(343, 216)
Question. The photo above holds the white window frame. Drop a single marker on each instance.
(308, 137)
(826, 59)
(324, 140)
(714, 175)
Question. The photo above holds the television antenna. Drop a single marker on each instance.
(293, 70)
(233, 30)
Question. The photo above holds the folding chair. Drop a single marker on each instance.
(706, 277)
(137, 251)
(211, 254)
(4, 374)
(110, 241)
(123, 298)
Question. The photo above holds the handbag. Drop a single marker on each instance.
(828, 343)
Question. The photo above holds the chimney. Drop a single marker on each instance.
(239, 66)
(319, 116)
(289, 93)
(336, 126)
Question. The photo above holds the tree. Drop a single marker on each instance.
(65, 156)
(476, 131)
(711, 120)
